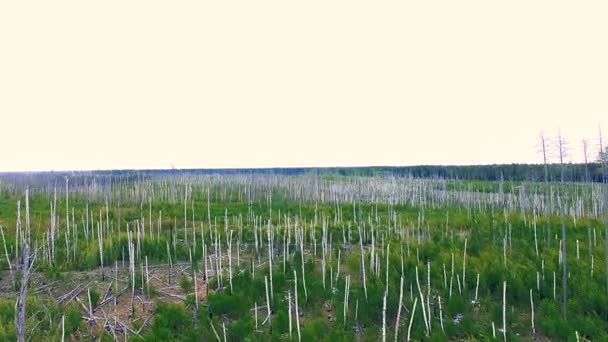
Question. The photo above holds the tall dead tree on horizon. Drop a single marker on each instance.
(561, 145)
(544, 150)
(586, 158)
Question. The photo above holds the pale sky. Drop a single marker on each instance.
(207, 84)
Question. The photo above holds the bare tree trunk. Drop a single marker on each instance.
(562, 151)
(564, 264)
(63, 328)
(399, 308)
(384, 318)
(346, 295)
(532, 315)
(464, 264)
(603, 160)
(67, 210)
(8, 259)
(409, 328)
(289, 313)
(440, 313)
(504, 310)
(426, 323)
(362, 266)
(26, 268)
(267, 297)
(606, 230)
(585, 147)
(544, 150)
(20, 317)
(268, 232)
(295, 286)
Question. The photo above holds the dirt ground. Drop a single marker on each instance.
(119, 310)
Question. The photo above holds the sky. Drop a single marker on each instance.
(211, 84)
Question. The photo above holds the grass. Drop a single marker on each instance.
(430, 231)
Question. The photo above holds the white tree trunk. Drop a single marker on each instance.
(295, 279)
(399, 308)
(409, 328)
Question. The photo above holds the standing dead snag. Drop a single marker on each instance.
(384, 317)
(26, 268)
(195, 298)
(362, 266)
(20, 305)
(230, 263)
(346, 296)
(399, 308)
(440, 313)
(561, 145)
(409, 328)
(267, 298)
(269, 258)
(424, 314)
(132, 267)
(586, 158)
(387, 268)
(543, 142)
(62, 328)
(67, 210)
(464, 265)
(604, 162)
(606, 233)
(255, 315)
(100, 241)
(289, 314)
(504, 310)
(295, 286)
(532, 313)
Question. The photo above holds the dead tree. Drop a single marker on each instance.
(543, 145)
(20, 306)
(586, 158)
(27, 261)
(362, 265)
(603, 158)
(561, 145)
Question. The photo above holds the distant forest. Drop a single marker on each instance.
(578, 172)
